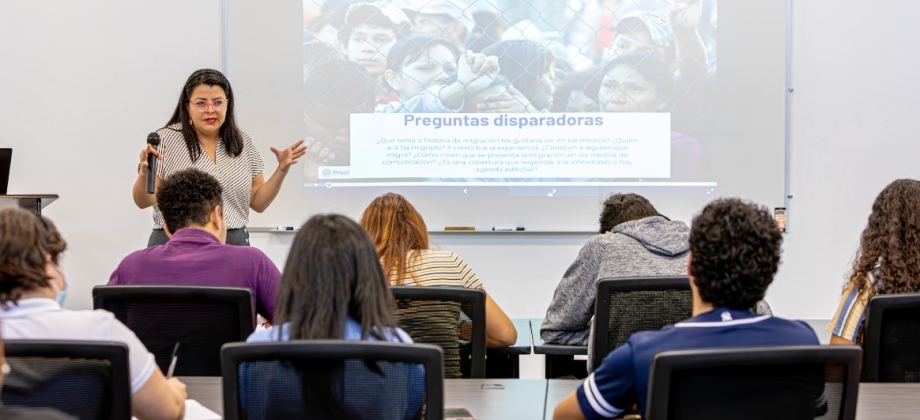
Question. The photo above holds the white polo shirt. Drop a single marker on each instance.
(44, 319)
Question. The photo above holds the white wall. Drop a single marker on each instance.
(81, 85)
(854, 131)
(84, 82)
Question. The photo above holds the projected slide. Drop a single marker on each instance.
(509, 93)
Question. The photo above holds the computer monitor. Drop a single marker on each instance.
(6, 156)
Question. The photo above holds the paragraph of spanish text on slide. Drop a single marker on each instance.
(587, 145)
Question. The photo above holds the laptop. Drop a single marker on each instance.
(6, 155)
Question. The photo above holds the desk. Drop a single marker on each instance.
(510, 398)
(540, 347)
(519, 398)
(560, 359)
(208, 390)
(506, 362)
(876, 401)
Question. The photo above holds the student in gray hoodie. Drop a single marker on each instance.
(634, 241)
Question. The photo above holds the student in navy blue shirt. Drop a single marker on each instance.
(734, 254)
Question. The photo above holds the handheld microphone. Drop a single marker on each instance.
(153, 139)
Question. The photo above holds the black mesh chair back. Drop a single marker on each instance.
(436, 315)
(629, 305)
(892, 339)
(332, 379)
(86, 379)
(202, 319)
(753, 383)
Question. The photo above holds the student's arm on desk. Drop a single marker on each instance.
(569, 314)
(500, 331)
(568, 409)
(160, 398)
(840, 341)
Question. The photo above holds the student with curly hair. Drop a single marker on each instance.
(197, 253)
(734, 254)
(32, 290)
(888, 260)
(634, 241)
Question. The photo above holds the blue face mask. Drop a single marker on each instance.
(62, 295)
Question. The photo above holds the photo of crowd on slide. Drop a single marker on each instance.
(510, 56)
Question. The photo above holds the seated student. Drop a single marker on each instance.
(401, 237)
(734, 254)
(196, 255)
(634, 241)
(32, 289)
(888, 260)
(334, 288)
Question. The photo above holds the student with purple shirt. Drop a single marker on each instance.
(196, 254)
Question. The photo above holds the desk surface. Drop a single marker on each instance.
(516, 398)
(876, 401)
(539, 347)
(486, 398)
(536, 398)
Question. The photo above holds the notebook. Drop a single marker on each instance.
(195, 411)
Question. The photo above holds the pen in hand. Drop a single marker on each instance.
(172, 361)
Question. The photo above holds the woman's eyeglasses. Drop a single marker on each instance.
(202, 105)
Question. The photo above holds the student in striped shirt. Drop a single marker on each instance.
(401, 238)
(888, 260)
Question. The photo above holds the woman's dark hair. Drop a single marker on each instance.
(26, 240)
(410, 48)
(186, 198)
(891, 243)
(524, 62)
(621, 208)
(333, 273)
(650, 67)
(735, 247)
(230, 134)
(332, 82)
(575, 82)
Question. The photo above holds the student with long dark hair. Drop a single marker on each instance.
(334, 288)
(888, 260)
(202, 134)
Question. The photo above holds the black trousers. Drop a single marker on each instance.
(238, 237)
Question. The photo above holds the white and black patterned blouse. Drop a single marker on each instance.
(234, 173)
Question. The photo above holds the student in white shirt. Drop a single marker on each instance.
(32, 290)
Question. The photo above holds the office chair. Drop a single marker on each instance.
(202, 319)
(628, 305)
(332, 379)
(86, 379)
(891, 342)
(753, 383)
(432, 315)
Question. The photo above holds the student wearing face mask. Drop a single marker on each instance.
(32, 290)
